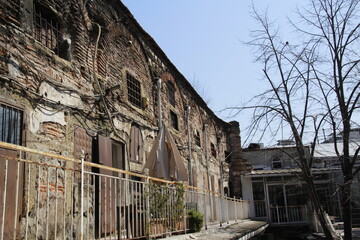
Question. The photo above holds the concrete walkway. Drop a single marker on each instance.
(234, 230)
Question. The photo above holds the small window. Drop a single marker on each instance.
(174, 120)
(197, 138)
(134, 90)
(213, 150)
(10, 124)
(171, 93)
(276, 163)
(46, 28)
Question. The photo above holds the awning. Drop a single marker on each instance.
(164, 160)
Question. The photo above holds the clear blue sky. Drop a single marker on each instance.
(203, 38)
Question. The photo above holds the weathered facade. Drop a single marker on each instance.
(82, 75)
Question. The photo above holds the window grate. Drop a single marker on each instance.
(10, 124)
(171, 93)
(46, 28)
(134, 91)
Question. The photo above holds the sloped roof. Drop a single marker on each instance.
(327, 150)
(290, 171)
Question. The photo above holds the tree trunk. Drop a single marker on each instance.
(346, 208)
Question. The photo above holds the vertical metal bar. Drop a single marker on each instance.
(132, 209)
(17, 194)
(47, 203)
(205, 211)
(94, 207)
(116, 227)
(38, 202)
(56, 201)
(135, 209)
(105, 207)
(120, 206)
(82, 196)
(72, 204)
(4, 199)
(88, 206)
(64, 206)
(147, 203)
(100, 187)
(235, 209)
(27, 203)
(110, 207)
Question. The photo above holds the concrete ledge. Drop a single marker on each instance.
(241, 230)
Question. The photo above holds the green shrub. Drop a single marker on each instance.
(196, 220)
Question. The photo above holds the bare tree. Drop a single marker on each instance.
(313, 84)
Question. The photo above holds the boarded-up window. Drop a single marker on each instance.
(136, 145)
(82, 141)
(110, 154)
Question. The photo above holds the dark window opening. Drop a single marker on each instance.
(171, 93)
(46, 28)
(10, 124)
(174, 120)
(213, 150)
(197, 138)
(276, 163)
(227, 156)
(134, 90)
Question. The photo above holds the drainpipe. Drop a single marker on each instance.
(191, 183)
(207, 170)
(207, 157)
(159, 103)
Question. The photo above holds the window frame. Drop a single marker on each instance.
(170, 87)
(197, 138)
(43, 18)
(174, 120)
(133, 87)
(19, 140)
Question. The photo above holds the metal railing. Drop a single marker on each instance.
(288, 214)
(260, 208)
(50, 196)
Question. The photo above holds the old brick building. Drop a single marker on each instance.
(82, 75)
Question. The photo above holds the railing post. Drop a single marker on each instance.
(4, 198)
(235, 209)
(277, 213)
(147, 203)
(221, 212)
(82, 196)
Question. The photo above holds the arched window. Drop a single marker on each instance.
(136, 145)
